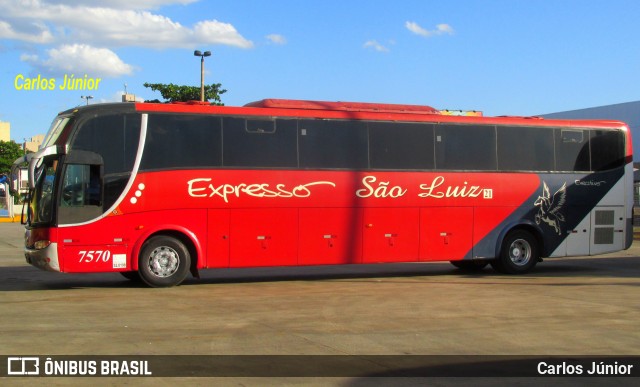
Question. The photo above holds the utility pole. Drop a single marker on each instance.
(201, 55)
(87, 97)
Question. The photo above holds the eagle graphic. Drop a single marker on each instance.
(549, 207)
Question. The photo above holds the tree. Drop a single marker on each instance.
(177, 93)
(9, 152)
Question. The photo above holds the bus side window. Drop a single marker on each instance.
(572, 150)
(81, 198)
(607, 149)
(333, 144)
(259, 143)
(466, 147)
(81, 186)
(182, 141)
(523, 148)
(394, 145)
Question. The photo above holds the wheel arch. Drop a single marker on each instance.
(184, 235)
(524, 225)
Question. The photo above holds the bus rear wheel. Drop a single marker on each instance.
(519, 253)
(164, 261)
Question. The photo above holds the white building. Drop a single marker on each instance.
(5, 131)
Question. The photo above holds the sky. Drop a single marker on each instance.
(504, 57)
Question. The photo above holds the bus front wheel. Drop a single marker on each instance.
(163, 262)
(519, 253)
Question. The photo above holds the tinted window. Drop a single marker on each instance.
(182, 141)
(572, 150)
(607, 149)
(260, 143)
(401, 146)
(465, 147)
(525, 149)
(81, 198)
(114, 137)
(333, 144)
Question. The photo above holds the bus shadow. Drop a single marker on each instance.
(26, 278)
(414, 271)
(575, 268)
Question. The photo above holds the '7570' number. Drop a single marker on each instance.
(88, 256)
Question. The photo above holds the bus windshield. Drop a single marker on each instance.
(55, 130)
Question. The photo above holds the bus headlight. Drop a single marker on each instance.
(39, 245)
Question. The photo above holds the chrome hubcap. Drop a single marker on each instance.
(520, 252)
(164, 261)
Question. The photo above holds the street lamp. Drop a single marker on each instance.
(87, 97)
(201, 55)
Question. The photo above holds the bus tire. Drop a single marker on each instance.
(520, 252)
(164, 261)
(470, 266)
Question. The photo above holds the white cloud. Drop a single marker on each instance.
(444, 29)
(42, 36)
(80, 59)
(441, 29)
(373, 44)
(78, 27)
(124, 4)
(276, 39)
(112, 23)
(215, 32)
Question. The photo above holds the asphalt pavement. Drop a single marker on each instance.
(573, 306)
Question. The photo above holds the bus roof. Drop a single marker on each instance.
(343, 110)
(342, 106)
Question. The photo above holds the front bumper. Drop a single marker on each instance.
(44, 259)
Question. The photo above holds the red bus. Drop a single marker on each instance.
(155, 191)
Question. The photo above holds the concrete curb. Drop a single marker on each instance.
(8, 219)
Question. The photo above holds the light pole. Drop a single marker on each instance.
(201, 55)
(87, 97)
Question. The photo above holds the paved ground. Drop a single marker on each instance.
(576, 306)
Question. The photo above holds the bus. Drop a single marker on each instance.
(158, 191)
